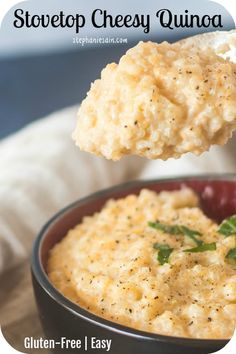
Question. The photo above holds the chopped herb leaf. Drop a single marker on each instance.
(177, 230)
(191, 234)
(164, 252)
(231, 254)
(202, 248)
(160, 246)
(228, 227)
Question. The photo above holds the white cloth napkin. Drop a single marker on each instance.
(41, 172)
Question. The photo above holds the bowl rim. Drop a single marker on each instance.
(41, 277)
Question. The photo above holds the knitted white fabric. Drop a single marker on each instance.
(41, 172)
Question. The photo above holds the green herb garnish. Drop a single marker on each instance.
(191, 234)
(228, 227)
(164, 252)
(231, 254)
(177, 230)
(202, 248)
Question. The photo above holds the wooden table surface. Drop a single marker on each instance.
(18, 313)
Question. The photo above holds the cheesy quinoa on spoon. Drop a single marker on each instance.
(160, 101)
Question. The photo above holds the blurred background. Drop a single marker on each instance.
(41, 70)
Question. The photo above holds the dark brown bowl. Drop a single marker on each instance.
(62, 318)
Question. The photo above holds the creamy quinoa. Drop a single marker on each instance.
(134, 263)
(159, 101)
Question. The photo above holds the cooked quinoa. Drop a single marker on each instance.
(116, 264)
(159, 101)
